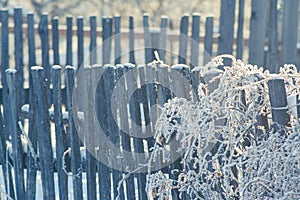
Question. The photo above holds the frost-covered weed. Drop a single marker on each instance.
(232, 148)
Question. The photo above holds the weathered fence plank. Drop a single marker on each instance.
(61, 142)
(290, 32)
(240, 31)
(183, 39)
(227, 16)
(80, 42)
(69, 53)
(272, 61)
(89, 132)
(5, 98)
(93, 40)
(106, 39)
(195, 40)
(16, 133)
(278, 102)
(117, 38)
(208, 40)
(76, 165)
(43, 127)
(162, 43)
(131, 40)
(257, 32)
(18, 55)
(31, 40)
(147, 39)
(55, 41)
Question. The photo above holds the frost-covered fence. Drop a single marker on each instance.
(41, 127)
(62, 138)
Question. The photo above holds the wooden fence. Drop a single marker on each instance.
(52, 132)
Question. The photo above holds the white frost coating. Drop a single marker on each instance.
(80, 115)
(57, 67)
(11, 71)
(70, 67)
(25, 108)
(36, 68)
(179, 67)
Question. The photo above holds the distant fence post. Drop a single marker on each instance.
(147, 39)
(31, 40)
(131, 40)
(106, 39)
(19, 63)
(93, 40)
(69, 36)
(240, 31)
(117, 38)
(195, 40)
(55, 41)
(272, 61)
(227, 17)
(258, 24)
(208, 40)
(80, 42)
(183, 39)
(162, 38)
(290, 32)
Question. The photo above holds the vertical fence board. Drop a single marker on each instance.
(88, 86)
(163, 38)
(117, 37)
(227, 16)
(31, 40)
(147, 39)
(55, 41)
(272, 63)
(31, 159)
(135, 117)
(76, 166)
(124, 130)
(183, 39)
(59, 132)
(278, 102)
(101, 110)
(80, 42)
(43, 127)
(16, 138)
(18, 53)
(131, 40)
(240, 31)
(93, 40)
(5, 97)
(208, 40)
(106, 39)
(195, 40)
(257, 32)
(69, 37)
(290, 32)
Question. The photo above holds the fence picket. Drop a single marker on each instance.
(76, 165)
(183, 39)
(106, 39)
(195, 40)
(93, 40)
(44, 144)
(80, 42)
(60, 135)
(131, 40)
(11, 75)
(55, 41)
(117, 38)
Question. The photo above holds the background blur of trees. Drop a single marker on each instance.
(124, 8)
